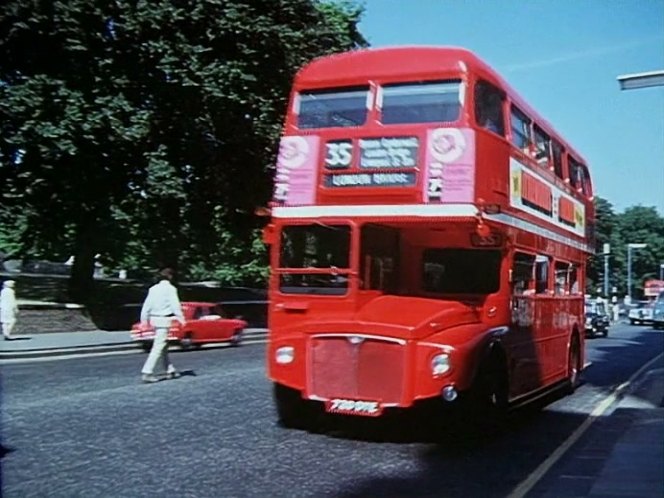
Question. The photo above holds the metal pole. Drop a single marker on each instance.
(606, 275)
(661, 271)
(629, 273)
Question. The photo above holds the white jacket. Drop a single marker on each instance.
(8, 305)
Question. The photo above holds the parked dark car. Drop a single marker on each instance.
(597, 319)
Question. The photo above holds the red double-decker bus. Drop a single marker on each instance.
(429, 233)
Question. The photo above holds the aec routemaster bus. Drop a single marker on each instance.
(429, 232)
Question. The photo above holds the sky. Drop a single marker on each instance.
(563, 58)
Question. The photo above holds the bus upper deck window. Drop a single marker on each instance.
(421, 102)
(330, 108)
(520, 125)
(557, 156)
(585, 181)
(489, 107)
(542, 146)
(575, 173)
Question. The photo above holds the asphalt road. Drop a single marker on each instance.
(88, 427)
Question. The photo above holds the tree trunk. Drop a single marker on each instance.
(81, 283)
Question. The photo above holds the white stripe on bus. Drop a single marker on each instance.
(425, 210)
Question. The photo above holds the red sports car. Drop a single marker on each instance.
(204, 322)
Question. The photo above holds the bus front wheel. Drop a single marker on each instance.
(291, 408)
(489, 395)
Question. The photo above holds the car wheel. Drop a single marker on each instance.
(291, 408)
(632, 322)
(605, 332)
(187, 341)
(236, 340)
(573, 365)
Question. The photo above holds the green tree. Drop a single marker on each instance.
(637, 224)
(605, 221)
(146, 130)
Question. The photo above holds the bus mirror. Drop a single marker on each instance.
(269, 236)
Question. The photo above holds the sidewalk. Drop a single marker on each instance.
(621, 454)
(59, 343)
(68, 343)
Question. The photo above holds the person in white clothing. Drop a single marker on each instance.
(161, 307)
(8, 308)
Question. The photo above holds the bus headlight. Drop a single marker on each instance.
(440, 364)
(285, 355)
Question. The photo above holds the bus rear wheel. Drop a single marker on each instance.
(573, 365)
(291, 408)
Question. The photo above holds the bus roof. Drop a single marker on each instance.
(391, 63)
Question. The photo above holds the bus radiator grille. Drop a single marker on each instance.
(372, 369)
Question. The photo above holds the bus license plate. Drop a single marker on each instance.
(362, 408)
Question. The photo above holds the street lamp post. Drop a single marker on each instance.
(661, 271)
(629, 267)
(606, 251)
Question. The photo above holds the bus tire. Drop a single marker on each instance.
(291, 408)
(489, 395)
(573, 364)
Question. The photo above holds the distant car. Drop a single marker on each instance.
(597, 319)
(641, 313)
(204, 322)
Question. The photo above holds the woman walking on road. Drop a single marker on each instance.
(161, 306)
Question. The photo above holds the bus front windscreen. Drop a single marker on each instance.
(423, 102)
(461, 271)
(314, 259)
(341, 107)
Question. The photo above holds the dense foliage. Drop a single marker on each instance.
(636, 225)
(144, 131)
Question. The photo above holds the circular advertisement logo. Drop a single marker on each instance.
(447, 144)
(293, 152)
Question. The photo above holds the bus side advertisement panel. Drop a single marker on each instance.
(295, 180)
(533, 194)
(449, 166)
